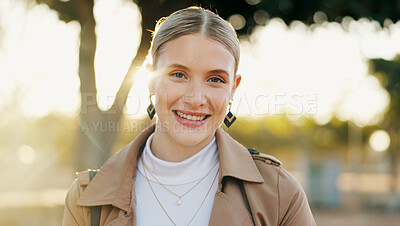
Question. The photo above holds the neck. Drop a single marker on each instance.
(168, 149)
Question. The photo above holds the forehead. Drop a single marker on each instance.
(198, 53)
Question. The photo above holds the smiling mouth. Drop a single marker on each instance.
(200, 117)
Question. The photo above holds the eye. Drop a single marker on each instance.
(216, 80)
(178, 75)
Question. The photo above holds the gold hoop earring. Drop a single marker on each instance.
(229, 118)
(151, 111)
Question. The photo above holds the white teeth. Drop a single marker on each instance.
(190, 117)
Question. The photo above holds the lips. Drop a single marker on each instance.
(191, 119)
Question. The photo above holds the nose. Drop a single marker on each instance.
(194, 97)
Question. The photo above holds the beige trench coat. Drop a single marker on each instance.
(252, 189)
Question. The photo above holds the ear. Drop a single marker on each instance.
(238, 79)
(152, 82)
(152, 86)
(236, 82)
(149, 67)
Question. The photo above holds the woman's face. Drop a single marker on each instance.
(194, 82)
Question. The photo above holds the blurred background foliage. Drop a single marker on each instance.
(344, 176)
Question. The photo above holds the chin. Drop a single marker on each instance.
(191, 137)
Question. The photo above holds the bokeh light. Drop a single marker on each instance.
(379, 140)
(253, 2)
(237, 21)
(26, 154)
(261, 17)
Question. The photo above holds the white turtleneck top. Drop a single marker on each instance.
(178, 177)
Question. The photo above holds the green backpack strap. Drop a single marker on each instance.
(95, 211)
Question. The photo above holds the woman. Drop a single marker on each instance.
(185, 170)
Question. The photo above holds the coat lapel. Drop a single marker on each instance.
(235, 162)
(226, 211)
(113, 184)
(235, 159)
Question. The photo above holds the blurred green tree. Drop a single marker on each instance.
(388, 73)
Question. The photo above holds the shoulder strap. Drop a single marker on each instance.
(253, 152)
(95, 211)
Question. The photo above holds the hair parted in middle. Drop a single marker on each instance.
(194, 20)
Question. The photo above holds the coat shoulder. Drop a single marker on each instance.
(287, 202)
(84, 176)
(268, 159)
(73, 213)
(271, 169)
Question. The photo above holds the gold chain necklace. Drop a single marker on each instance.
(162, 207)
(179, 202)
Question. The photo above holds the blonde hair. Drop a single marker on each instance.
(194, 20)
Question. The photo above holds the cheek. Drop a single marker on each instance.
(219, 101)
(166, 95)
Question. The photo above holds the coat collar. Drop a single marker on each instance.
(235, 159)
(114, 182)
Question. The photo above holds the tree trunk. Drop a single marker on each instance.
(92, 148)
(98, 129)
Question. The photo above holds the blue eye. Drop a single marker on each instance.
(178, 75)
(216, 80)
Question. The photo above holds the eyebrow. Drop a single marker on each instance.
(220, 71)
(217, 71)
(178, 66)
